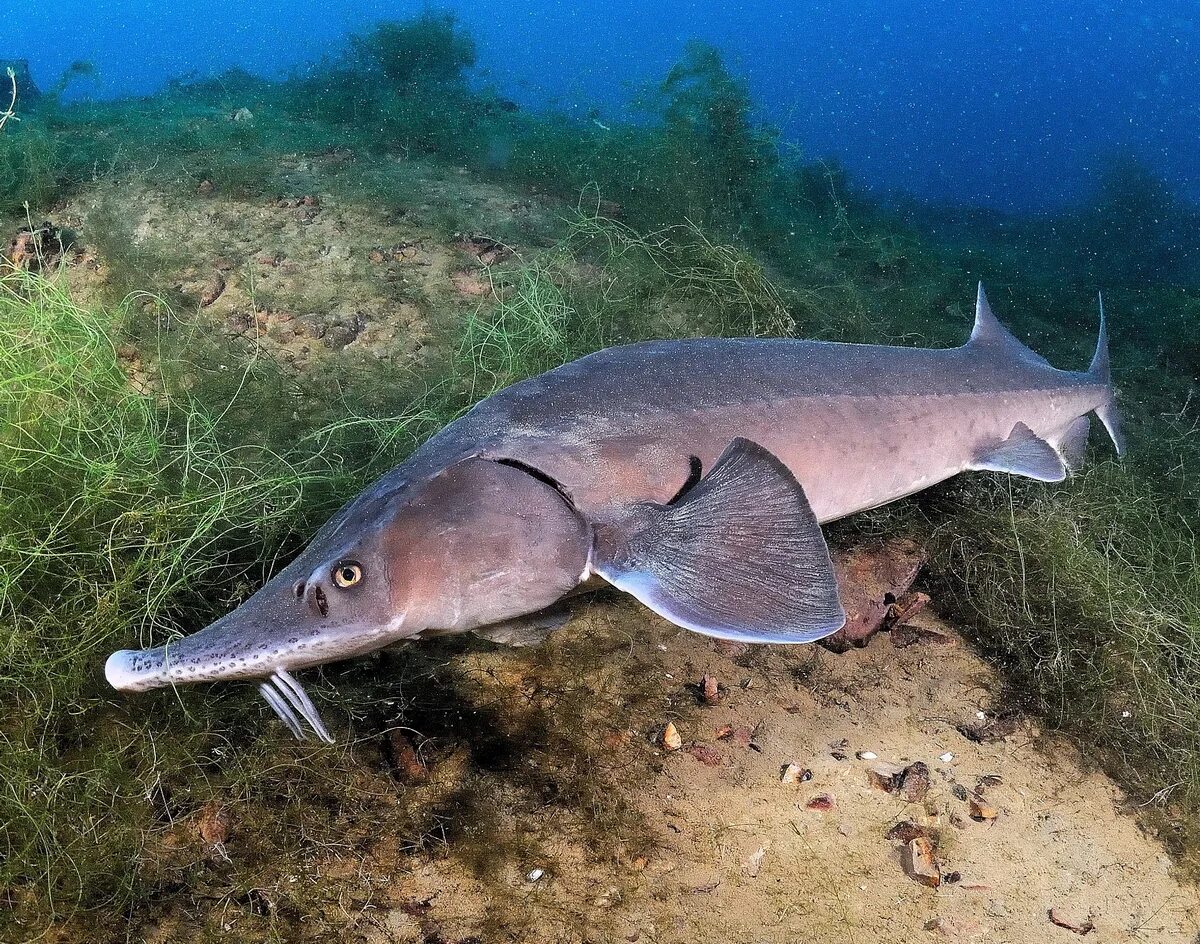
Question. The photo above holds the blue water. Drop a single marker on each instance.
(1011, 106)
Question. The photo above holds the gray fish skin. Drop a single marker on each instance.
(501, 513)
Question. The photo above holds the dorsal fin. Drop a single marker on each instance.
(989, 332)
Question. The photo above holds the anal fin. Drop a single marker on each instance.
(738, 556)
(1073, 442)
(1024, 453)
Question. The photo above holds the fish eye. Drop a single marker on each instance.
(347, 574)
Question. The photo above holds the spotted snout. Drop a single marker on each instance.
(289, 624)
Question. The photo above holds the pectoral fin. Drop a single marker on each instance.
(523, 631)
(1024, 453)
(738, 556)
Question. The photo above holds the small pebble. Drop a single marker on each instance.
(866, 755)
(535, 875)
(981, 812)
(946, 758)
(794, 773)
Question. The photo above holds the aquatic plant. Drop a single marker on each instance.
(1088, 596)
(428, 49)
(122, 516)
(710, 142)
(28, 157)
(10, 112)
(1134, 228)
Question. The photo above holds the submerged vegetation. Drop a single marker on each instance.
(132, 513)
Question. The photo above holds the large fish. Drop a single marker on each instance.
(691, 474)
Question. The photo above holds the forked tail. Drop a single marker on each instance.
(1100, 373)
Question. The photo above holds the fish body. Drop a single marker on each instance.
(692, 474)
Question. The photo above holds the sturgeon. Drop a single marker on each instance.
(692, 474)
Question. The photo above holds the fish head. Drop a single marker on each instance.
(480, 542)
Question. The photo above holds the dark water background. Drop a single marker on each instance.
(1011, 106)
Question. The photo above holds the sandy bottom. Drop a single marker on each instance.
(739, 855)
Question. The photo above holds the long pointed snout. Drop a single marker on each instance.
(276, 630)
(234, 647)
(135, 670)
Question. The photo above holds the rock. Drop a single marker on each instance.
(885, 777)
(822, 803)
(724, 732)
(213, 289)
(986, 781)
(911, 782)
(914, 782)
(994, 729)
(402, 758)
(243, 115)
(907, 606)
(33, 249)
(996, 909)
(670, 738)
(907, 831)
(212, 823)
(794, 773)
(206, 188)
(710, 690)
(870, 578)
(959, 792)
(1072, 921)
(375, 256)
(981, 812)
(27, 90)
(867, 755)
(919, 863)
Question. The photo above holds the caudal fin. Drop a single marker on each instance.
(1100, 373)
